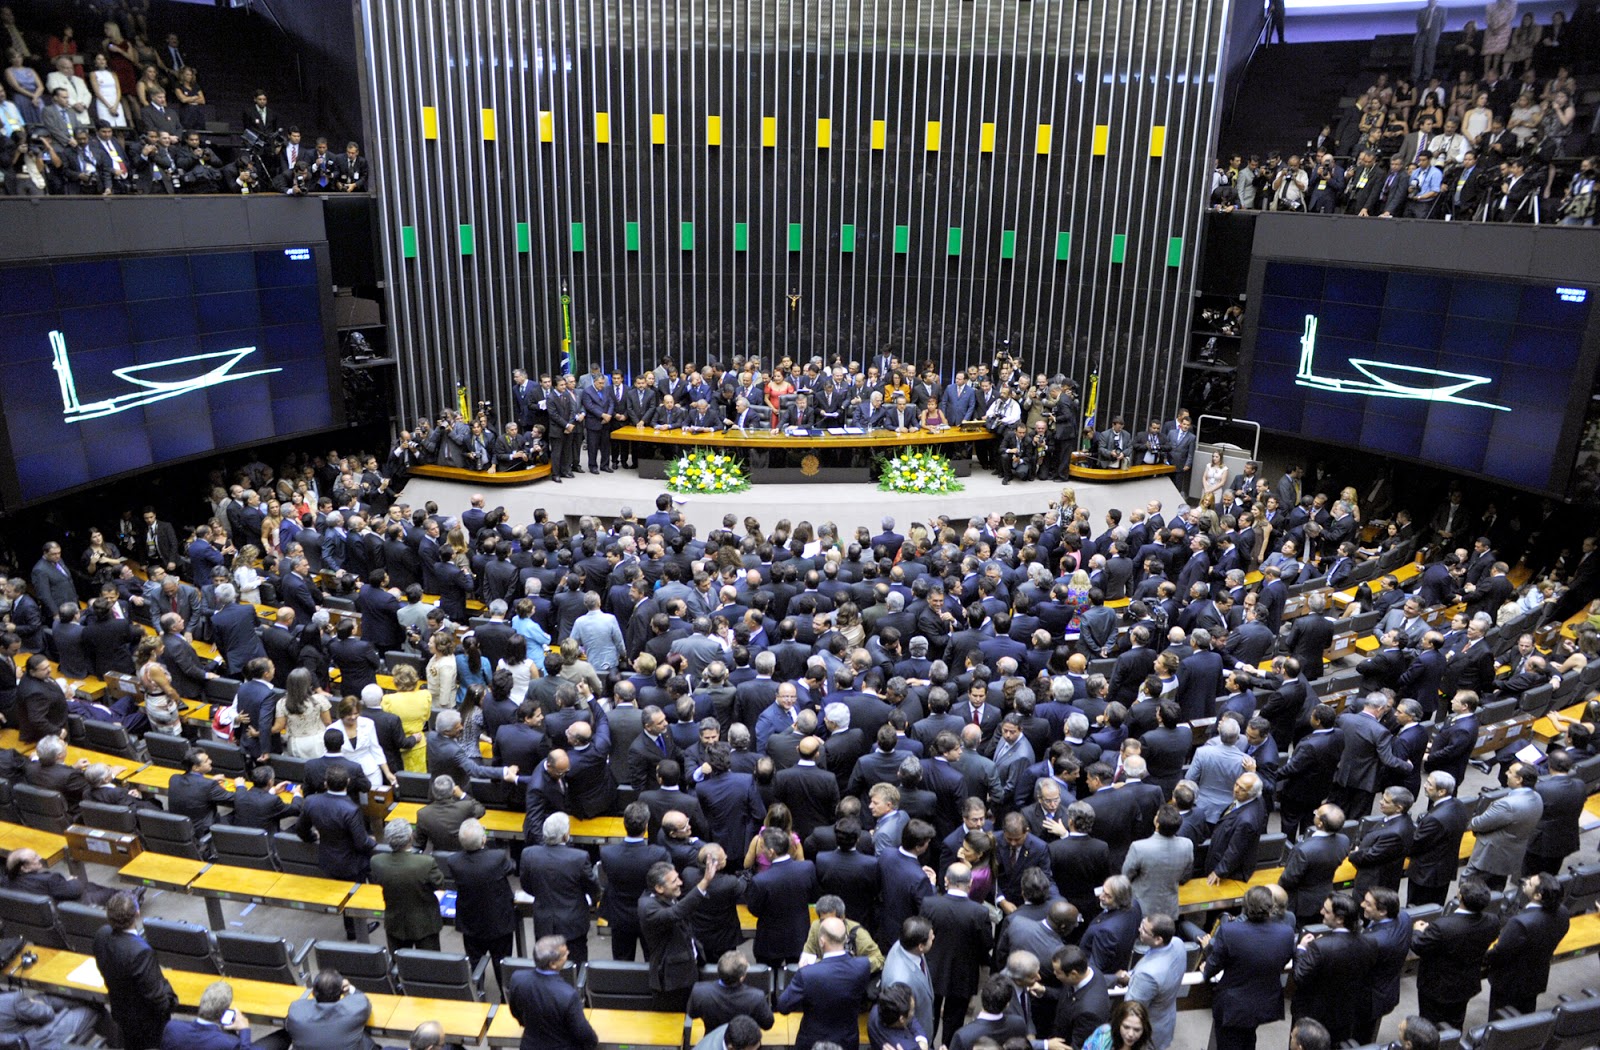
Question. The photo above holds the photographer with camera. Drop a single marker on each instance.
(1327, 185)
(30, 166)
(1577, 204)
(157, 173)
(199, 167)
(1289, 186)
(1423, 185)
(350, 170)
(295, 182)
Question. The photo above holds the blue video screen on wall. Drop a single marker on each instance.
(1472, 374)
(115, 365)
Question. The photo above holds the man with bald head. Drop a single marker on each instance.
(830, 994)
(547, 794)
(964, 941)
(810, 792)
(26, 873)
(1233, 840)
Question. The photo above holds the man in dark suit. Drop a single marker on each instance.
(1310, 636)
(233, 630)
(810, 792)
(1452, 745)
(779, 898)
(963, 943)
(1368, 752)
(626, 867)
(1309, 868)
(1556, 836)
(651, 747)
(1472, 666)
(1380, 857)
(411, 916)
(380, 615)
(207, 1032)
(561, 881)
(1519, 961)
(1332, 970)
(591, 788)
(1305, 779)
(1084, 1002)
(258, 806)
(317, 769)
(831, 993)
(1436, 843)
(1388, 939)
(549, 1009)
(715, 1003)
(1233, 840)
(665, 912)
(1079, 861)
(194, 794)
(995, 1021)
(335, 823)
(187, 672)
(140, 998)
(1250, 955)
(849, 874)
(1452, 950)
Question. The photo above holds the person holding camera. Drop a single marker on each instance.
(296, 182)
(1289, 186)
(30, 166)
(1423, 186)
(157, 173)
(1327, 185)
(1577, 204)
(199, 167)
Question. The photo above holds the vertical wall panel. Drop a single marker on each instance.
(944, 177)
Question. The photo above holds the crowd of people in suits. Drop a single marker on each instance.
(117, 113)
(902, 729)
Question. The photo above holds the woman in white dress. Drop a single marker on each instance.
(107, 94)
(1215, 477)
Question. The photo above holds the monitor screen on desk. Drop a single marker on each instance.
(115, 365)
(1473, 374)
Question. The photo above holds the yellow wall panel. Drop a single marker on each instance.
(824, 133)
(547, 126)
(713, 131)
(1102, 139)
(430, 122)
(880, 134)
(1042, 140)
(1158, 140)
(488, 125)
(986, 138)
(602, 128)
(769, 131)
(658, 129)
(932, 136)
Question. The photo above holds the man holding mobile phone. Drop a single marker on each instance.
(217, 1026)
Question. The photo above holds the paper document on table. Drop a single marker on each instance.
(87, 973)
(837, 431)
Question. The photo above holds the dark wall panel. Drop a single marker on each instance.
(942, 241)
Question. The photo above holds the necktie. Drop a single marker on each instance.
(661, 742)
(174, 603)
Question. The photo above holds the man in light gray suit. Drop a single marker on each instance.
(334, 1018)
(906, 964)
(699, 648)
(1157, 979)
(1505, 829)
(1158, 864)
(1405, 618)
(1215, 767)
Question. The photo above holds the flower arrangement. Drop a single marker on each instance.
(703, 471)
(918, 470)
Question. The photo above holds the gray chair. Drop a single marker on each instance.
(168, 833)
(243, 847)
(182, 945)
(759, 976)
(111, 738)
(253, 957)
(288, 768)
(396, 658)
(108, 818)
(225, 757)
(365, 966)
(166, 750)
(1577, 1023)
(221, 690)
(413, 787)
(617, 985)
(571, 973)
(1269, 850)
(79, 923)
(41, 808)
(296, 856)
(1523, 1032)
(1582, 887)
(439, 975)
(31, 916)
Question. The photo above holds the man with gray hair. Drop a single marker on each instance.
(1367, 757)
(486, 912)
(1215, 767)
(233, 630)
(449, 754)
(561, 880)
(549, 1010)
(207, 1030)
(845, 745)
(410, 910)
(439, 822)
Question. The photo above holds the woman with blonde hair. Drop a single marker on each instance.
(162, 704)
(247, 575)
(575, 668)
(441, 671)
(413, 705)
(778, 816)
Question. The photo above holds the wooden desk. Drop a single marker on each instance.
(636, 1028)
(122, 768)
(1195, 896)
(1545, 729)
(1583, 937)
(258, 1000)
(50, 846)
(399, 1015)
(882, 439)
(305, 892)
(1084, 472)
(597, 829)
(162, 871)
(483, 477)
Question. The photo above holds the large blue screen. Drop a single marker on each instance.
(115, 365)
(1472, 374)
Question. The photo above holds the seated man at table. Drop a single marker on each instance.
(207, 1031)
(897, 417)
(26, 873)
(799, 414)
(104, 789)
(749, 417)
(50, 772)
(703, 419)
(334, 1018)
(665, 416)
(194, 794)
(866, 414)
(258, 806)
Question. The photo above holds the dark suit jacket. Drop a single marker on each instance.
(1233, 841)
(1452, 746)
(1251, 957)
(1452, 950)
(715, 1004)
(550, 1012)
(1368, 751)
(1308, 872)
(1110, 936)
(1390, 944)
(197, 797)
(1519, 962)
(1079, 864)
(831, 993)
(1436, 843)
(963, 943)
(779, 898)
(1331, 983)
(664, 930)
(109, 645)
(1380, 857)
(485, 908)
(624, 865)
(1012, 1024)
(562, 883)
(853, 877)
(233, 632)
(1079, 1011)
(1557, 833)
(1309, 638)
(410, 910)
(254, 808)
(734, 809)
(811, 793)
(185, 669)
(141, 1000)
(337, 826)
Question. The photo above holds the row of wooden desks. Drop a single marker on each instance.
(508, 823)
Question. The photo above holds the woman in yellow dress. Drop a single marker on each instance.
(411, 705)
